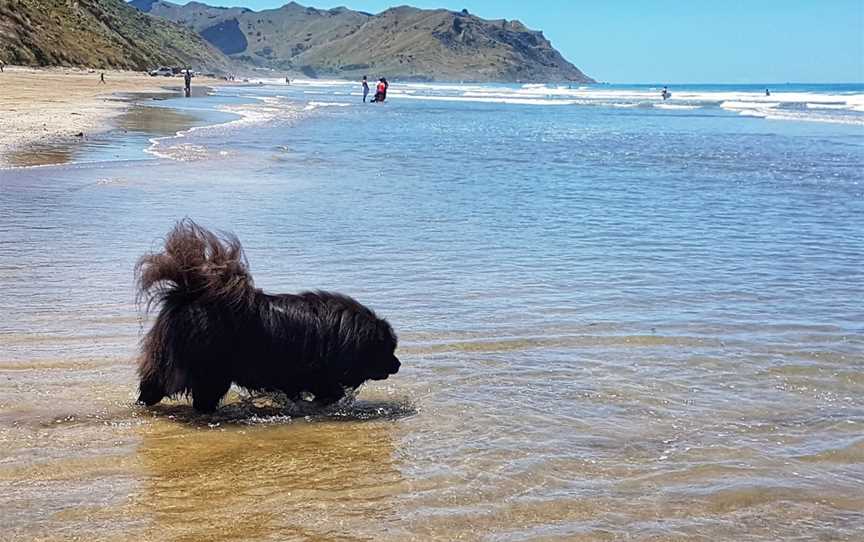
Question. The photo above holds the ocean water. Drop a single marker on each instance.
(619, 317)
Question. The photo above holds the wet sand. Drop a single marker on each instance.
(51, 110)
(138, 118)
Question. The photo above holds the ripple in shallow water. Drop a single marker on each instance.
(654, 332)
(269, 409)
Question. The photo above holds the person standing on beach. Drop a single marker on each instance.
(188, 80)
(365, 88)
(102, 78)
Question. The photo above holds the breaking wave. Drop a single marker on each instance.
(273, 101)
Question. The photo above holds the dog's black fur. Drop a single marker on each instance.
(215, 328)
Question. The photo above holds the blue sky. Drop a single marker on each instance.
(677, 41)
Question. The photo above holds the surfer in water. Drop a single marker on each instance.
(365, 84)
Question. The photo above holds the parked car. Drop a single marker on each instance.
(163, 71)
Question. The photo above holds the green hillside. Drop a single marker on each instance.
(98, 34)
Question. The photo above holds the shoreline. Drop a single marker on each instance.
(56, 106)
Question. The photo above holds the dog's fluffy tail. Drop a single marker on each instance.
(195, 265)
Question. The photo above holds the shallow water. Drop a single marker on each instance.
(614, 322)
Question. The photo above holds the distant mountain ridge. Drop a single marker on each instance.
(401, 43)
(99, 34)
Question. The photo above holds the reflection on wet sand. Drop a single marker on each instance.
(139, 118)
(298, 480)
(155, 121)
(247, 472)
(45, 154)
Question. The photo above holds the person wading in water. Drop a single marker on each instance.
(380, 91)
(365, 84)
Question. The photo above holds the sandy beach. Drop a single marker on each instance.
(47, 105)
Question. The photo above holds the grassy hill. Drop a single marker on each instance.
(401, 43)
(98, 34)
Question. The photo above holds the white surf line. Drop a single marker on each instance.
(247, 114)
(516, 101)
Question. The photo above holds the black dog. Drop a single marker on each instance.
(215, 328)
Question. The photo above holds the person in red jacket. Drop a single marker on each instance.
(381, 91)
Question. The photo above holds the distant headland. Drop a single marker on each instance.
(403, 42)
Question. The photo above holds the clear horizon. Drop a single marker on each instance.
(770, 42)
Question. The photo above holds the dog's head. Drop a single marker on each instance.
(376, 358)
(353, 343)
(383, 361)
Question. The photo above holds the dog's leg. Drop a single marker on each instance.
(207, 392)
(327, 393)
(150, 392)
